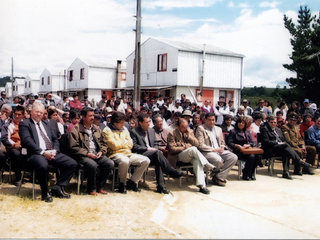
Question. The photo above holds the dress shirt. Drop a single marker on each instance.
(42, 143)
(213, 138)
(92, 144)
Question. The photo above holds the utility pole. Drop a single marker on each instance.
(202, 73)
(137, 63)
(12, 78)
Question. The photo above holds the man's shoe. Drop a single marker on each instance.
(57, 192)
(101, 191)
(218, 182)
(297, 173)
(161, 189)
(307, 171)
(93, 193)
(253, 178)
(177, 173)
(204, 190)
(216, 170)
(47, 198)
(122, 188)
(133, 186)
(286, 175)
(304, 164)
(246, 178)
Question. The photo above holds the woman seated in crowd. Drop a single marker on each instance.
(195, 122)
(226, 126)
(74, 118)
(239, 139)
(56, 125)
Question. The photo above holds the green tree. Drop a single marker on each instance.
(305, 41)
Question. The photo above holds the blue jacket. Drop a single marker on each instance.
(313, 136)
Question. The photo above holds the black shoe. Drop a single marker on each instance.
(47, 198)
(246, 178)
(304, 164)
(286, 175)
(177, 173)
(253, 178)
(58, 192)
(297, 173)
(204, 190)
(133, 186)
(307, 171)
(122, 188)
(161, 189)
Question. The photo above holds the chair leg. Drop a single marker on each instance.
(113, 179)
(20, 183)
(79, 182)
(10, 171)
(33, 184)
(239, 169)
(271, 166)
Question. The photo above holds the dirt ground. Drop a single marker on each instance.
(105, 216)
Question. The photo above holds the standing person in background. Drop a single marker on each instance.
(3, 98)
(295, 107)
(207, 107)
(283, 108)
(248, 111)
(222, 109)
(267, 104)
(160, 101)
(75, 104)
(101, 104)
(306, 108)
(262, 108)
(232, 109)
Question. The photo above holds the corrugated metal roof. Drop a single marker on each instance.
(191, 47)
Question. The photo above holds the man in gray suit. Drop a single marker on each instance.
(212, 146)
(145, 143)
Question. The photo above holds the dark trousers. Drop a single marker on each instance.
(251, 163)
(97, 171)
(286, 152)
(15, 157)
(66, 165)
(161, 165)
(2, 159)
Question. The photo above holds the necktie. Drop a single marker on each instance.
(45, 138)
(277, 136)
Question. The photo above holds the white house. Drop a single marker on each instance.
(171, 68)
(92, 77)
(52, 81)
(32, 84)
(8, 89)
(18, 86)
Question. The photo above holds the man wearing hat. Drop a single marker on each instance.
(306, 108)
(232, 109)
(263, 108)
(247, 109)
(223, 109)
(176, 107)
(187, 115)
(293, 138)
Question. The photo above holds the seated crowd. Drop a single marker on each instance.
(39, 133)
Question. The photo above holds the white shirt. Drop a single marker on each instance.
(214, 139)
(42, 143)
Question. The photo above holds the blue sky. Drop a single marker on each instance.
(43, 34)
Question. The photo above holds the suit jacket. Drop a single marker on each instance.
(205, 140)
(138, 137)
(292, 136)
(29, 136)
(269, 138)
(176, 144)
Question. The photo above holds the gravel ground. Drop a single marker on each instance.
(105, 216)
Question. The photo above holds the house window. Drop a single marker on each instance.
(14, 88)
(70, 75)
(25, 84)
(230, 96)
(82, 73)
(30, 84)
(42, 81)
(162, 62)
(49, 80)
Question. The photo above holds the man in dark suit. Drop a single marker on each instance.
(273, 142)
(145, 143)
(41, 147)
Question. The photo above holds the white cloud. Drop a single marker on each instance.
(240, 5)
(44, 34)
(169, 4)
(267, 4)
